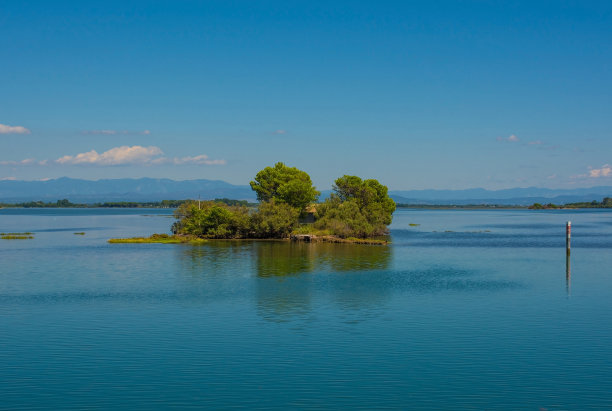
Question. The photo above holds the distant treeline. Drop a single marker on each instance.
(605, 203)
(454, 206)
(118, 204)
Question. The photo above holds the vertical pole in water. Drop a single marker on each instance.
(568, 236)
(568, 275)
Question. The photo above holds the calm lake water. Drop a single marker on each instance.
(468, 309)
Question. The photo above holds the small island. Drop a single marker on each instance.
(17, 236)
(358, 211)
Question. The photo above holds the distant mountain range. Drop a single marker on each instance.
(151, 189)
(123, 189)
(511, 196)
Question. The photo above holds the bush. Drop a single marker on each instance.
(211, 220)
(274, 220)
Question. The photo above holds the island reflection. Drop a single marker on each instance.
(292, 258)
(284, 277)
(284, 292)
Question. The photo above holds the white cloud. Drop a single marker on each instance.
(123, 155)
(4, 129)
(512, 138)
(604, 171)
(116, 132)
(201, 159)
(117, 156)
(26, 162)
(535, 143)
(8, 178)
(280, 132)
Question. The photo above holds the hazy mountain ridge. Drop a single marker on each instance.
(152, 189)
(512, 196)
(125, 189)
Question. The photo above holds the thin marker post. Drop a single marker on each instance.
(568, 275)
(568, 236)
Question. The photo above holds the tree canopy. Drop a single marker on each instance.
(359, 208)
(284, 185)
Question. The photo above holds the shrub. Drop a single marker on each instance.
(274, 220)
(211, 220)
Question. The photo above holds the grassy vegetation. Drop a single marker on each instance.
(188, 239)
(353, 240)
(79, 233)
(17, 236)
(159, 239)
(323, 235)
(310, 230)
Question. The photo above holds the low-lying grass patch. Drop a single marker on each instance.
(81, 233)
(354, 240)
(159, 239)
(323, 235)
(12, 236)
(310, 230)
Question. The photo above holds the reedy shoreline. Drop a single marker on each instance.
(185, 239)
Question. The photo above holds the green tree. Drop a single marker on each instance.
(357, 208)
(344, 219)
(64, 203)
(370, 195)
(274, 220)
(284, 185)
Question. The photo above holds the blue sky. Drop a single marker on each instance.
(419, 95)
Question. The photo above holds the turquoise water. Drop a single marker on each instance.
(469, 309)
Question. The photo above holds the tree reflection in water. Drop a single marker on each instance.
(290, 273)
(284, 277)
(218, 258)
(291, 258)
